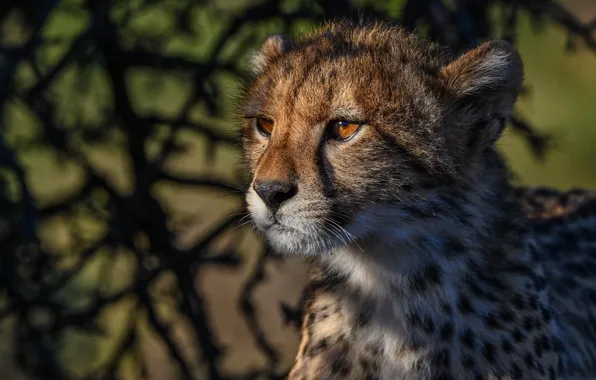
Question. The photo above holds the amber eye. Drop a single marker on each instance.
(265, 126)
(343, 130)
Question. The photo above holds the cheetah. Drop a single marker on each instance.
(372, 154)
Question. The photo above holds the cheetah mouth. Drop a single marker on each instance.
(306, 239)
(277, 227)
(297, 230)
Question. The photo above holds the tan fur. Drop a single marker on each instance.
(426, 265)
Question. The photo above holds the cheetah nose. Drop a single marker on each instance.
(274, 193)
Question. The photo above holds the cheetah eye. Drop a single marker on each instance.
(343, 130)
(264, 125)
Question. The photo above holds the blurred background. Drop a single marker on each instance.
(126, 252)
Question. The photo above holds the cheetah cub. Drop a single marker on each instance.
(373, 154)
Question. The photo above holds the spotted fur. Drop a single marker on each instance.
(427, 263)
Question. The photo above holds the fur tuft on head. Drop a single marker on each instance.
(272, 48)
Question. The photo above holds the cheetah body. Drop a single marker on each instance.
(546, 334)
(372, 153)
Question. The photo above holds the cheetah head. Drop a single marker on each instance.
(355, 127)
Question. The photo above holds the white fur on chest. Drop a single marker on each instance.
(382, 291)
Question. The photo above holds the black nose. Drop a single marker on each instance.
(274, 193)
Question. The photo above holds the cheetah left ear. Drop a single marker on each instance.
(273, 47)
(492, 67)
(482, 86)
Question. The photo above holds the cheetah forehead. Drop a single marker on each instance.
(342, 71)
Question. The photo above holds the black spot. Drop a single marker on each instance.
(506, 345)
(546, 345)
(341, 366)
(516, 371)
(540, 282)
(419, 364)
(367, 365)
(540, 369)
(491, 280)
(373, 348)
(529, 323)
(428, 325)
(468, 339)
(491, 297)
(518, 336)
(507, 316)
(590, 265)
(518, 302)
(342, 339)
(432, 273)
(441, 359)
(463, 305)
(489, 352)
(546, 314)
(417, 283)
(474, 288)
(538, 347)
(447, 309)
(318, 347)
(576, 268)
(442, 376)
(591, 295)
(446, 331)
(571, 283)
(533, 302)
(492, 321)
(468, 362)
(552, 374)
(518, 268)
(415, 319)
(363, 319)
(557, 344)
(529, 359)
(453, 246)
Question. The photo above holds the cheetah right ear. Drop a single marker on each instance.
(272, 48)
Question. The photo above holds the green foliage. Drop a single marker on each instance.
(120, 167)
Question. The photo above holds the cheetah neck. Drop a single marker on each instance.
(414, 288)
(452, 241)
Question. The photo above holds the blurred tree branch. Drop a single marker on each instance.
(96, 51)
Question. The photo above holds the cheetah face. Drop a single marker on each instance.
(347, 132)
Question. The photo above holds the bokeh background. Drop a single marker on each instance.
(125, 249)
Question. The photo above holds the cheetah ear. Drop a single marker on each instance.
(494, 66)
(483, 85)
(273, 47)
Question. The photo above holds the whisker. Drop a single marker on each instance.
(335, 232)
(348, 234)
